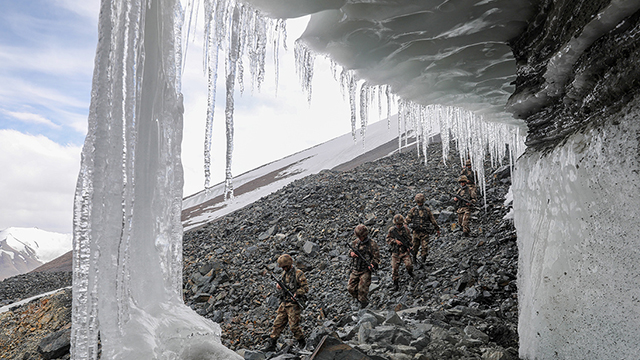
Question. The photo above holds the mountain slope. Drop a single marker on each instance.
(380, 140)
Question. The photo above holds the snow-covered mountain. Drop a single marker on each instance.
(341, 153)
(24, 249)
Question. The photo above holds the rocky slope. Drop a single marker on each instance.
(462, 306)
(468, 286)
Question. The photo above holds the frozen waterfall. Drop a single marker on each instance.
(127, 285)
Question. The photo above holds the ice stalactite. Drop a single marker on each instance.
(365, 99)
(127, 227)
(305, 60)
(242, 33)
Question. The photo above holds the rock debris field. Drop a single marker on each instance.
(462, 304)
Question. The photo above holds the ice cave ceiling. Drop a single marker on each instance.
(451, 52)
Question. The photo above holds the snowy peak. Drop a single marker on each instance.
(24, 249)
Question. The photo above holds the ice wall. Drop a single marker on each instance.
(127, 281)
(576, 211)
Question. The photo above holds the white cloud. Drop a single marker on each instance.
(67, 62)
(38, 182)
(32, 118)
(85, 8)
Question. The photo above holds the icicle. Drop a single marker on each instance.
(232, 63)
(305, 60)
(364, 110)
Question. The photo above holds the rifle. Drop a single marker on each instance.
(284, 287)
(396, 233)
(463, 199)
(372, 266)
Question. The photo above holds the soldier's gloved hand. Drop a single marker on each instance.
(352, 254)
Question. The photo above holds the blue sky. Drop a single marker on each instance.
(47, 52)
(44, 46)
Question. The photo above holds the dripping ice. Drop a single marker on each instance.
(131, 244)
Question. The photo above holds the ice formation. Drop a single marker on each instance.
(127, 279)
(401, 55)
(443, 66)
(575, 211)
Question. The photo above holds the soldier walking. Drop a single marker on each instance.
(468, 173)
(400, 241)
(362, 266)
(466, 197)
(423, 223)
(288, 311)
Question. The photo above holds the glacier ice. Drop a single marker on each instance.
(575, 211)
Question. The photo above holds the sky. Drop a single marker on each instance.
(47, 51)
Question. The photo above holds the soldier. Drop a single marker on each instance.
(422, 222)
(468, 173)
(466, 197)
(400, 241)
(362, 268)
(288, 311)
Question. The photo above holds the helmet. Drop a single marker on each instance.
(463, 178)
(468, 163)
(361, 231)
(285, 260)
(419, 198)
(398, 219)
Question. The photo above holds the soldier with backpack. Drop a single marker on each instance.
(365, 256)
(399, 238)
(422, 222)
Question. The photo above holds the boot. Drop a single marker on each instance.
(411, 273)
(270, 346)
(424, 261)
(363, 304)
(396, 286)
(302, 343)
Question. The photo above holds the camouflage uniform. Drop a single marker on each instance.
(419, 218)
(469, 174)
(289, 311)
(464, 211)
(399, 253)
(360, 277)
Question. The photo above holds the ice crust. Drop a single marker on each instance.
(576, 211)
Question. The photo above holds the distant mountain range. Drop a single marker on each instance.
(25, 249)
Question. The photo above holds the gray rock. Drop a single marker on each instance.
(421, 343)
(55, 345)
(267, 234)
(394, 319)
(405, 349)
(364, 332)
(310, 248)
(254, 355)
(476, 334)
